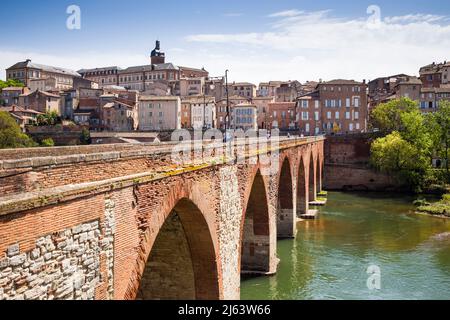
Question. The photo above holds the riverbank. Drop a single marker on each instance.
(329, 257)
(440, 208)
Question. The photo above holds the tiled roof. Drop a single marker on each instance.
(29, 64)
(341, 81)
(15, 108)
(12, 89)
(158, 98)
(149, 67)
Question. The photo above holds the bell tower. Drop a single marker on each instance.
(157, 56)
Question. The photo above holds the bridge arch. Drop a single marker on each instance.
(255, 231)
(181, 263)
(302, 191)
(286, 207)
(312, 178)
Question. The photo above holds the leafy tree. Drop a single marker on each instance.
(439, 127)
(48, 142)
(395, 155)
(11, 136)
(387, 117)
(10, 83)
(48, 119)
(85, 137)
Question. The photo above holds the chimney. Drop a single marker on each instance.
(28, 60)
(364, 81)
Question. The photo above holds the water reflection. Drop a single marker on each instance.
(330, 256)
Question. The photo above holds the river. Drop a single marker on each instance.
(330, 256)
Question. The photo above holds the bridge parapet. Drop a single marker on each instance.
(97, 222)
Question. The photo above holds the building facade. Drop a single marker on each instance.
(28, 71)
(159, 113)
(338, 106)
(244, 117)
(10, 96)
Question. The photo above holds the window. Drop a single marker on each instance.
(316, 115)
(356, 115)
(356, 102)
(305, 116)
(304, 103)
(357, 126)
(347, 115)
(329, 115)
(350, 127)
(347, 102)
(316, 104)
(307, 127)
(336, 115)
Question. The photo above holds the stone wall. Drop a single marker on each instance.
(347, 165)
(88, 228)
(63, 265)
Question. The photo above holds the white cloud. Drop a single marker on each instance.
(286, 13)
(312, 45)
(296, 45)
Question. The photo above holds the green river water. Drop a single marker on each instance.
(330, 256)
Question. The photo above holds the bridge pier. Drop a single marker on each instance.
(127, 223)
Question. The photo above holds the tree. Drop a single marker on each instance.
(395, 155)
(439, 124)
(11, 136)
(10, 83)
(387, 117)
(48, 142)
(85, 137)
(48, 119)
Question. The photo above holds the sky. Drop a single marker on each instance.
(256, 40)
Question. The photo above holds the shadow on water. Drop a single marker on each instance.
(330, 256)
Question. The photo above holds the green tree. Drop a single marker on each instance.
(395, 155)
(439, 127)
(85, 137)
(387, 117)
(10, 83)
(48, 119)
(48, 142)
(11, 136)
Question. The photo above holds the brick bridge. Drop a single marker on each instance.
(125, 222)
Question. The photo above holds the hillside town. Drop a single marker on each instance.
(162, 97)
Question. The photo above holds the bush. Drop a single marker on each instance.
(48, 142)
(11, 136)
(421, 203)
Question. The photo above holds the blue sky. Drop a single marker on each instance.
(257, 40)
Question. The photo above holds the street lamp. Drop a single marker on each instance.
(228, 122)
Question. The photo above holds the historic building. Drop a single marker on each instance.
(30, 73)
(244, 116)
(10, 96)
(159, 113)
(282, 116)
(435, 74)
(338, 106)
(41, 101)
(158, 77)
(244, 89)
(119, 116)
(203, 111)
